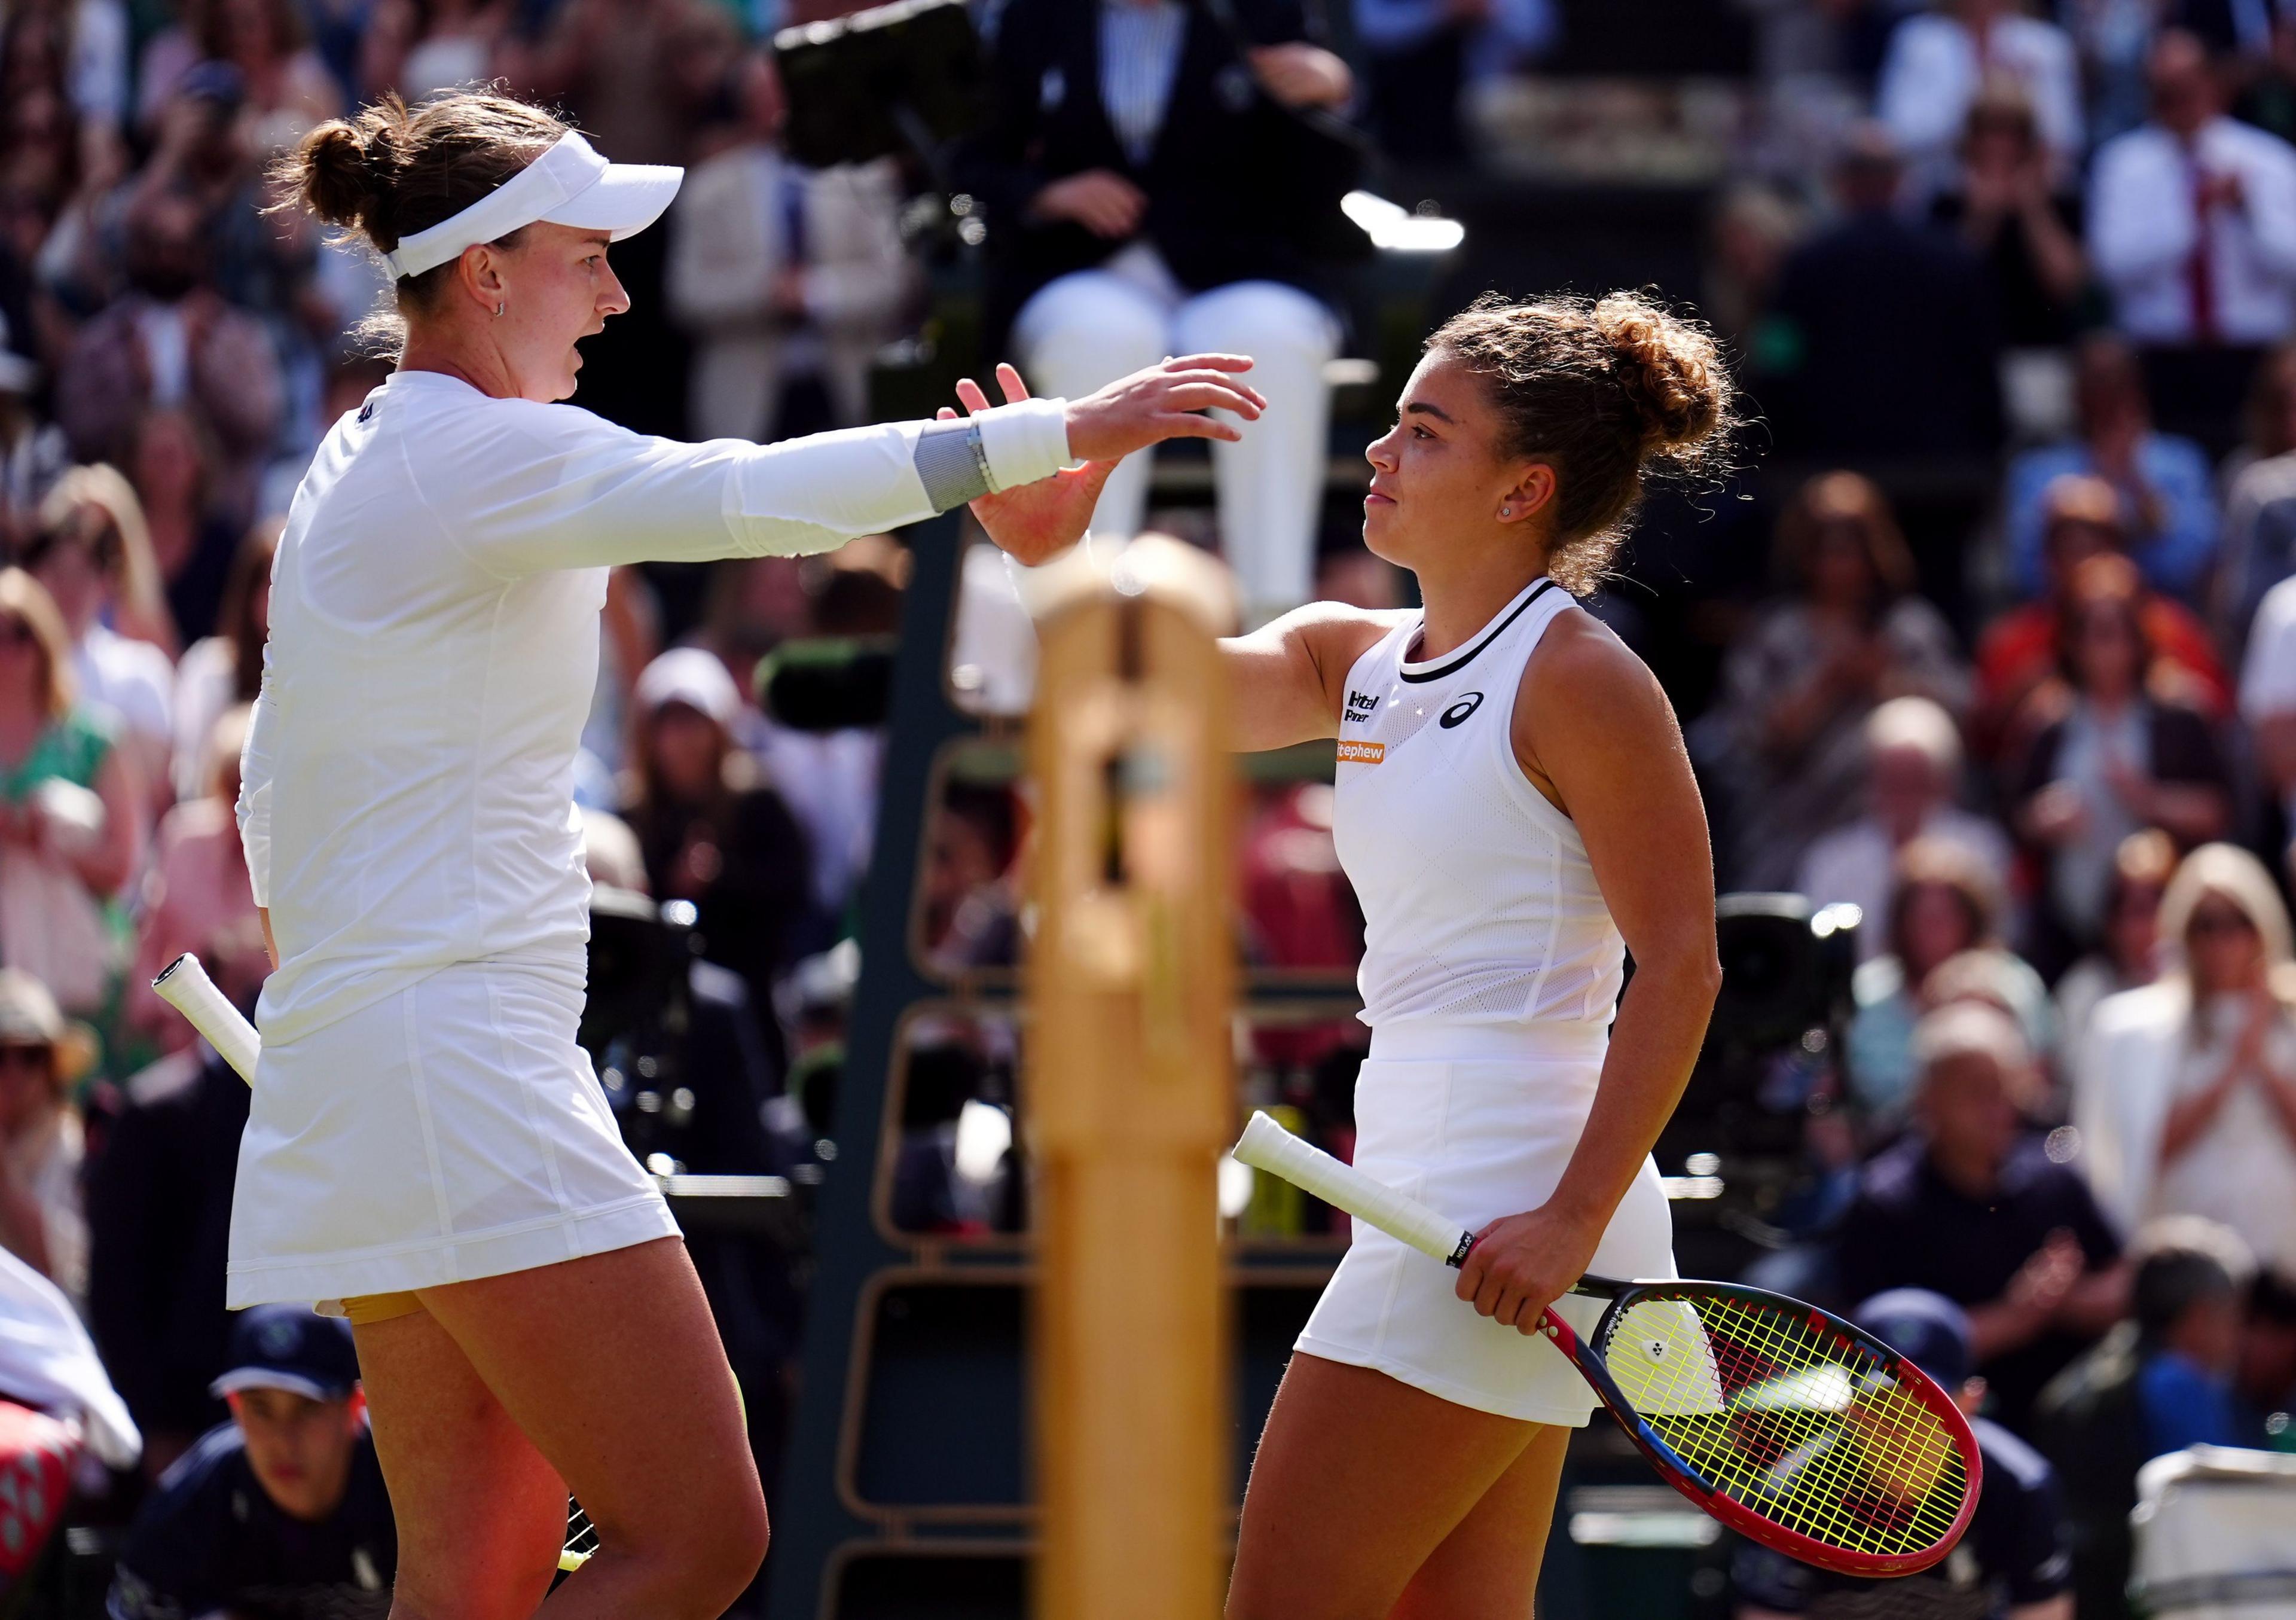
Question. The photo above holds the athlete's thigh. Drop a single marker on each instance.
(1488, 1568)
(481, 1516)
(612, 1366)
(1358, 1479)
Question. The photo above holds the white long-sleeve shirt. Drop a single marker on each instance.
(407, 800)
(2144, 226)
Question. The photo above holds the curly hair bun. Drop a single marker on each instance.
(332, 170)
(1668, 366)
(1610, 393)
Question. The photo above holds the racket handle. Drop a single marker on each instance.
(185, 986)
(1267, 1146)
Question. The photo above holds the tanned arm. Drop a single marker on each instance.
(1597, 737)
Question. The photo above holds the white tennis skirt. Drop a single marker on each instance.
(1477, 1123)
(451, 1130)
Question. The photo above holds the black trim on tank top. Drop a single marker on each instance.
(1460, 661)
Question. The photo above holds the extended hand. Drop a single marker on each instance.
(1523, 1263)
(1034, 522)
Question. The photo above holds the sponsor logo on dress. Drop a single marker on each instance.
(1361, 753)
(1362, 709)
(1458, 714)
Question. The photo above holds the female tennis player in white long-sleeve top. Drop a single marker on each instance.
(1515, 812)
(427, 1142)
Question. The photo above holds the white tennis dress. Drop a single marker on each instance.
(1490, 971)
(421, 1112)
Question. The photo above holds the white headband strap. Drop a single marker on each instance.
(534, 192)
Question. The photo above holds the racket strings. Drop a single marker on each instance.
(1789, 1419)
(581, 1538)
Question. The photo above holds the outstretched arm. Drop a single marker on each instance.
(551, 486)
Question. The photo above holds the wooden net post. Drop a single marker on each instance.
(1129, 1094)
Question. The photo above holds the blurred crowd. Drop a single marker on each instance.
(2013, 670)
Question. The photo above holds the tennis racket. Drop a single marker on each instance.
(185, 986)
(1793, 1427)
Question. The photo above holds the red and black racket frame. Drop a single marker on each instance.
(1678, 1472)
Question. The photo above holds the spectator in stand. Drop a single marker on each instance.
(1297, 903)
(2258, 548)
(1797, 688)
(1420, 55)
(1137, 173)
(2192, 217)
(2127, 954)
(2081, 517)
(830, 777)
(33, 453)
(173, 340)
(223, 670)
(280, 1511)
(1755, 227)
(42, 1144)
(288, 88)
(970, 902)
(72, 807)
(782, 275)
(1814, 63)
(2268, 697)
(91, 555)
(1943, 930)
(1970, 1205)
(2268, 425)
(1874, 296)
(714, 831)
(2005, 201)
(2266, 1381)
(2268, 97)
(2189, 1106)
(197, 896)
(1942, 62)
(2118, 750)
(415, 47)
(205, 153)
(171, 466)
(2015, 1566)
(637, 76)
(2166, 488)
(159, 1215)
(1913, 790)
(2157, 1383)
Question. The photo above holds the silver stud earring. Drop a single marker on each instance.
(1504, 511)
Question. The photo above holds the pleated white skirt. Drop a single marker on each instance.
(451, 1130)
(1478, 1124)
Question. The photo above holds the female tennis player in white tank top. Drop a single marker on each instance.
(426, 1143)
(1516, 812)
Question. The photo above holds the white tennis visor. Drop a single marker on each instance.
(568, 184)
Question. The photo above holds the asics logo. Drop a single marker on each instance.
(1458, 714)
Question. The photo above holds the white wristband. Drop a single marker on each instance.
(1024, 442)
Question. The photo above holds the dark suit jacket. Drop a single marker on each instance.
(1217, 204)
(1882, 341)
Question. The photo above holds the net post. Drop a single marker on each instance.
(1128, 1097)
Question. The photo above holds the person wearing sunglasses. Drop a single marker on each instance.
(2190, 1106)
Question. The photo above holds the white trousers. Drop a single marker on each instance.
(1084, 330)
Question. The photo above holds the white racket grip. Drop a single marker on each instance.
(185, 986)
(1267, 1146)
